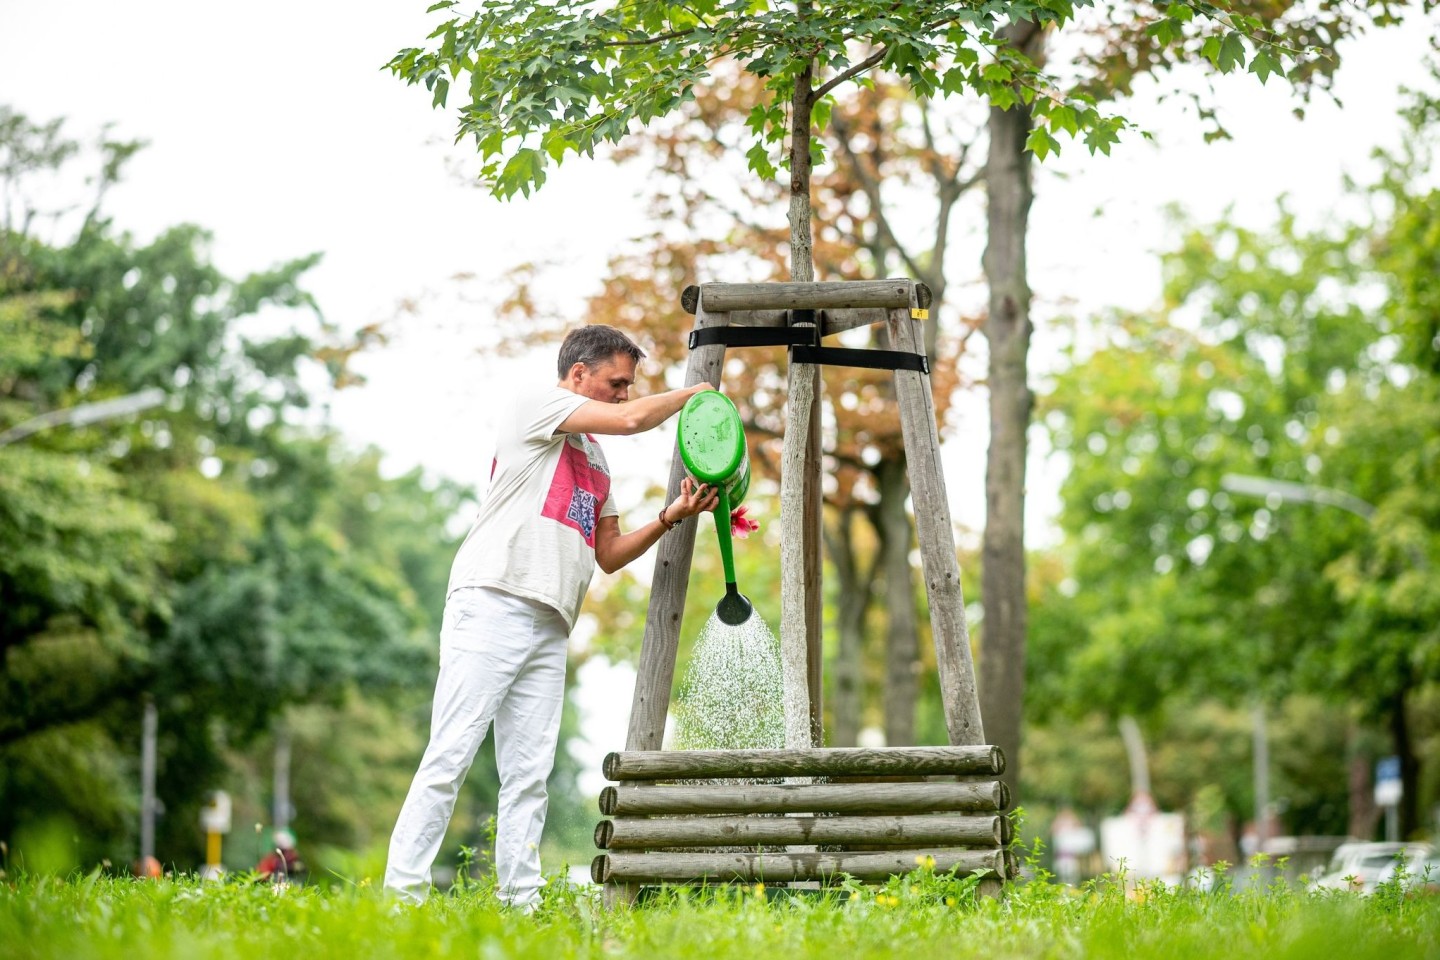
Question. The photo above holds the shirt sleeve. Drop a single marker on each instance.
(541, 414)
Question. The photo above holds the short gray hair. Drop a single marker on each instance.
(593, 345)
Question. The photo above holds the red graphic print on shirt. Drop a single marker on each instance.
(580, 486)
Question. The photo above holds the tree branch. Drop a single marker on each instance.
(850, 73)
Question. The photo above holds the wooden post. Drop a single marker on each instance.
(937, 540)
(799, 551)
(656, 671)
(980, 796)
(786, 867)
(982, 760)
(918, 830)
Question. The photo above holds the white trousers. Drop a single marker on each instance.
(502, 659)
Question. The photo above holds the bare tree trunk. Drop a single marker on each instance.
(1404, 747)
(852, 601)
(902, 648)
(799, 477)
(1007, 330)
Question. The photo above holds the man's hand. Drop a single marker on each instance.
(692, 501)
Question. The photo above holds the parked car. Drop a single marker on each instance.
(1362, 866)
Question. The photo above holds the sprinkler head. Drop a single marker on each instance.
(734, 608)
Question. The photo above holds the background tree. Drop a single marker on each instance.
(223, 555)
(1289, 354)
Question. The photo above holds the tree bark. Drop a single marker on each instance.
(799, 478)
(902, 648)
(1404, 746)
(853, 601)
(1007, 330)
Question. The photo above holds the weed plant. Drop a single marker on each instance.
(923, 914)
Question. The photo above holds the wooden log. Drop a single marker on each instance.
(829, 762)
(937, 541)
(982, 796)
(799, 548)
(749, 867)
(690, 301)
(656, 670)
(720, 297)
(924, 830)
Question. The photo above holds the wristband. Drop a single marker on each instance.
(666, 523)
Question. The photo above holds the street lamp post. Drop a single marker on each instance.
(85, 413)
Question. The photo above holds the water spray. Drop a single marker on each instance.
(712, 447)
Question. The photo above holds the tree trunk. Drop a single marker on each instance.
(799, 478)
(1404, 746)
(902, 647)
(852, 602)
(1007, 330)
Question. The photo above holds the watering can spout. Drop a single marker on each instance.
(734, 608)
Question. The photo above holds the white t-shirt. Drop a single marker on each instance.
(535, 534)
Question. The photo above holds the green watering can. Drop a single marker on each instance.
(712, 447)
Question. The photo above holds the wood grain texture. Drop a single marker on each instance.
(983, 796)
(922, 830)
(719, 297)
(937, 541)
(830, 762)
(750, 867)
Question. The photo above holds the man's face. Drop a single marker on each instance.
(609, 382)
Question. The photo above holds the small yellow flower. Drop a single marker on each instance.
(759, 889)
(949, 901)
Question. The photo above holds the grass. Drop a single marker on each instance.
(923, 915)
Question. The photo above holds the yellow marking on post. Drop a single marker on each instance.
(916, 313)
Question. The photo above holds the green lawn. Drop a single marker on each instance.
(922, 916)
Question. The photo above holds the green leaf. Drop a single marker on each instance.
(1232, 53)
(1041, 143)
(997, 73)
(524, 171)
(1264, 64)
(759, 161)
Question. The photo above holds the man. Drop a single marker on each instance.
(515, 589)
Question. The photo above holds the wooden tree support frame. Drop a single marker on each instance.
(899, 304)
(934, 805)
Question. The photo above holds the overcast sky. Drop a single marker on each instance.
(272, 124)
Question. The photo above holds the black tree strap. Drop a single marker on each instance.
(752, 336)
(804, 344)
(871, 359)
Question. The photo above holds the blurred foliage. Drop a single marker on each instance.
(222, 554)
(1292, 354)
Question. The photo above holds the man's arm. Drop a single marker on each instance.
(634, 416)
(614, 549)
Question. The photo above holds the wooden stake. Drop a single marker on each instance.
(937, 541)
(923, 830)
(782, 867)
(829, 762)
(864, 798)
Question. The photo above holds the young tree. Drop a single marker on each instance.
(546, 81)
